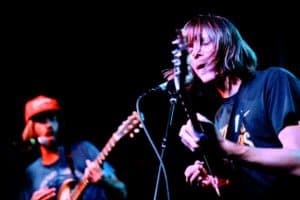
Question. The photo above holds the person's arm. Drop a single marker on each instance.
(286, 158)
(114, 183)
(106, 177)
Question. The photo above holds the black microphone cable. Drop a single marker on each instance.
(161, 163)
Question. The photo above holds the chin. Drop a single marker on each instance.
(207, 77)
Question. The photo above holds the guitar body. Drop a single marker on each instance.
(64, 192)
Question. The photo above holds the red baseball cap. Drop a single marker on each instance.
(34, 107)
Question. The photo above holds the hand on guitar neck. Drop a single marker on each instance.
(191, 138)
(92, 172)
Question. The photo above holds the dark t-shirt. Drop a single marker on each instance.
(254, 117)
(39, 175)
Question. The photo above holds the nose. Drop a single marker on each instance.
(196, 49)
(48, 126)
(48, 122)
(52, 123)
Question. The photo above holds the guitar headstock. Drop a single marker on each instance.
(181, 40)
(130, 126)
(182, 70)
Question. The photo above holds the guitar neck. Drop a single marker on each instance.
(125, 128)
(81, 185)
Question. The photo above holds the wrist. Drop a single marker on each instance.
(234, 149)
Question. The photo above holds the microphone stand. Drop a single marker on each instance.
(173, 101)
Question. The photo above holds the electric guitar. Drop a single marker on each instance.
(209, 150)
(129, 126)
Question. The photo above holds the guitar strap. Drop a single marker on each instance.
(69, 159)
(234, 123)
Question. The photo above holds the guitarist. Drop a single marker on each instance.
(58, 162)
(258, 121)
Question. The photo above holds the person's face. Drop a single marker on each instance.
(46, 126)
(202, 57)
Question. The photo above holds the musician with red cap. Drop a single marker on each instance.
(59, 169)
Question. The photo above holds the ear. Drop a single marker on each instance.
(28, 131)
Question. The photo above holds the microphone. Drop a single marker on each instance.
(41, 140)
(165, 86)
(170, 86)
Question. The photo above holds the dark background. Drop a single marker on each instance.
(99, 58)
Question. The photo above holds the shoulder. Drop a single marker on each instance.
(275, 76)
(37, 164)
(276, 72)
(82, 143)
(84, 146)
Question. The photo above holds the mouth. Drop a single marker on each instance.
(201, 66)
(49, 134)
(50, 137)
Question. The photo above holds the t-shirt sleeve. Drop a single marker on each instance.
(283, 99)
(91, 152)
